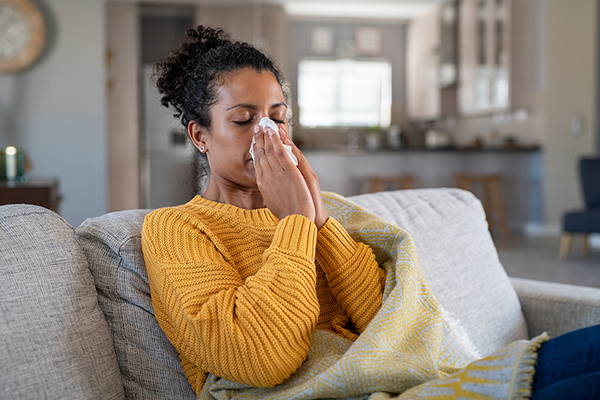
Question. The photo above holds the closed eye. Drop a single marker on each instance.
(243, 122)
(278, 121)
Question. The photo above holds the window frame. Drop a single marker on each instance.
(338, 120)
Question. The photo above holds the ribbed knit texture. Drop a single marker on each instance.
(239, 293)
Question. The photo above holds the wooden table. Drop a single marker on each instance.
(41, 192)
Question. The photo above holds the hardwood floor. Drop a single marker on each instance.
(537, 258)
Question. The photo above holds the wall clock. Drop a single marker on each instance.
(22, 34)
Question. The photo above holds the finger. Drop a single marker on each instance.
(284, 133)
(258, 171)
(274, 153)
(271, 143)
(302, 162)
(280, 152)
(260, 160)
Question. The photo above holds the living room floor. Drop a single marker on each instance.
(537, 258)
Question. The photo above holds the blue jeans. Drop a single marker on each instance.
(568, 367)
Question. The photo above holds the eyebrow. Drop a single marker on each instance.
(253, 107)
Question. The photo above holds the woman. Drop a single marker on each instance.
(247, 277)
(234, 280)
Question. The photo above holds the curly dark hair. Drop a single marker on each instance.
(188, 77)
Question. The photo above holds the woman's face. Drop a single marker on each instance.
(243, 99)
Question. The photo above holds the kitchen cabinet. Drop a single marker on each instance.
(471, 57)
(432, 63)
(496, 59)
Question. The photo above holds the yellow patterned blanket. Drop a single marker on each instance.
(411, 349)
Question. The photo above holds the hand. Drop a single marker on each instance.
(312, 181)
(284, 190)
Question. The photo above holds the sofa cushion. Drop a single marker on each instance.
(454, 246)
(54, 340)
(459, 260)
(149, 363)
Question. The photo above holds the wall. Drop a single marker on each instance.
(423, 36)
(263, 25)
(56, 110)
(393, 50)
(123, 111)
(571, 91)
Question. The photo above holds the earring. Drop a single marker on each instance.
(202, 149)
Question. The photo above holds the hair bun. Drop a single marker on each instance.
(207, 38)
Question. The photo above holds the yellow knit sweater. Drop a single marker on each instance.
(240, 292)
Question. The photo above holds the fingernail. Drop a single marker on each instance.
(256, 128)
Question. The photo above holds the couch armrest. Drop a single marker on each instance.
(557, 308)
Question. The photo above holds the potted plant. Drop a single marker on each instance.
(372, 138)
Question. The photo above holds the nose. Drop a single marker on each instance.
(266, 121)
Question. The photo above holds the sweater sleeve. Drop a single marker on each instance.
(352, 272)
(257, 331)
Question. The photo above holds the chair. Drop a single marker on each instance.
(379, 183)
(584, 221)
(490, 197)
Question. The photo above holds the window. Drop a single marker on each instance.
(344, 93)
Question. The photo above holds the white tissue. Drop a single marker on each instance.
(268, 122)
(271, 124)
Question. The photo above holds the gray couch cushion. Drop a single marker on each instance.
(459, 260)
(54, 341)
(149, 363)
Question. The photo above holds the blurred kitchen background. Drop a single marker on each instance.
(418, 89)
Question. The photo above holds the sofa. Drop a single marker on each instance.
(76, 318)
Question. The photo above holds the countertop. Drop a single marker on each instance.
(343, 150)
